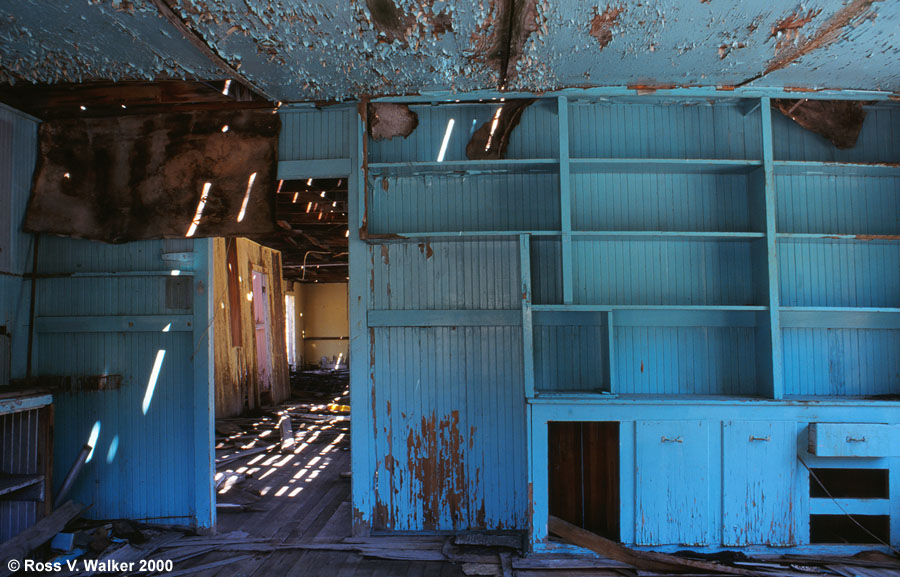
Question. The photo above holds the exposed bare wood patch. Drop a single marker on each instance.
(603, 22)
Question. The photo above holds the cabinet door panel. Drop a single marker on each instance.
(672, 483)
(759, 464)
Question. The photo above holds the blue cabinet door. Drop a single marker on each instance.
(758, 475)
(672, 483)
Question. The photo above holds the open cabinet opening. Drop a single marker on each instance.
(584, 475)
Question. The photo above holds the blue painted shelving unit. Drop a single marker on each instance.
(699, 270)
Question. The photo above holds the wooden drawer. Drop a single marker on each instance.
(851, 440)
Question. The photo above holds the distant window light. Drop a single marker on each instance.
(199, 213)
(334, 204)
(124, 107)
(347, 233)
(67, 175)
(308, 207)
(280, 182)
(227, 87)
(250, 182)
(323, 194)
(296, 194)
(225, 128)
(167, 328)
(309, 182)
(446, 140)
(82, 107)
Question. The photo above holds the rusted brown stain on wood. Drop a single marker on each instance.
(603, 22)
(128, 178)
(425, 248)
(437, 462)
(491, 139)
(827, 33)
(787, 30)
(385, 255)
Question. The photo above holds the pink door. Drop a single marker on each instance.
(261, 323)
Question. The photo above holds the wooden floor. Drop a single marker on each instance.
(297, 496)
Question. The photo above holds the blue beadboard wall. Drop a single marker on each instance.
(18, 152)
(121, 310)
(703, 271)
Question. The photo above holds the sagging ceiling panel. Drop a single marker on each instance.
(119, 179)
(323, 50)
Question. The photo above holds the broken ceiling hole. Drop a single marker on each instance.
(840, 121)
(489, 142)
(603, 22)
(387, 120)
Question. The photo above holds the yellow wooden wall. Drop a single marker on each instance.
(235, 367)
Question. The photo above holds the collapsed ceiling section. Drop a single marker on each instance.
(119, 179)
(324, 50)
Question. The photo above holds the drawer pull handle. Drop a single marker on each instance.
(856, 439)
(752, 438)
(665, 439)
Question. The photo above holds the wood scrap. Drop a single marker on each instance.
(645, 560)
(287, 432)
(28, 540)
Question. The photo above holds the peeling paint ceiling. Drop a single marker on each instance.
(325, 50)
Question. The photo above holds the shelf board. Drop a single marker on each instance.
(12, 483)
(674, 235)
(843, 237)
(607, 308)
(664, 165)
(463, 166)
(468, 234)
(655, 315)
(888, 310)
(802, 167)
(840, 317)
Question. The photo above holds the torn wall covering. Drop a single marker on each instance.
(139, 177)
(314, 50)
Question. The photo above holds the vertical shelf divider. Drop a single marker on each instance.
(777, 377)
(565, 198)
(527, 328)
(611, 353)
